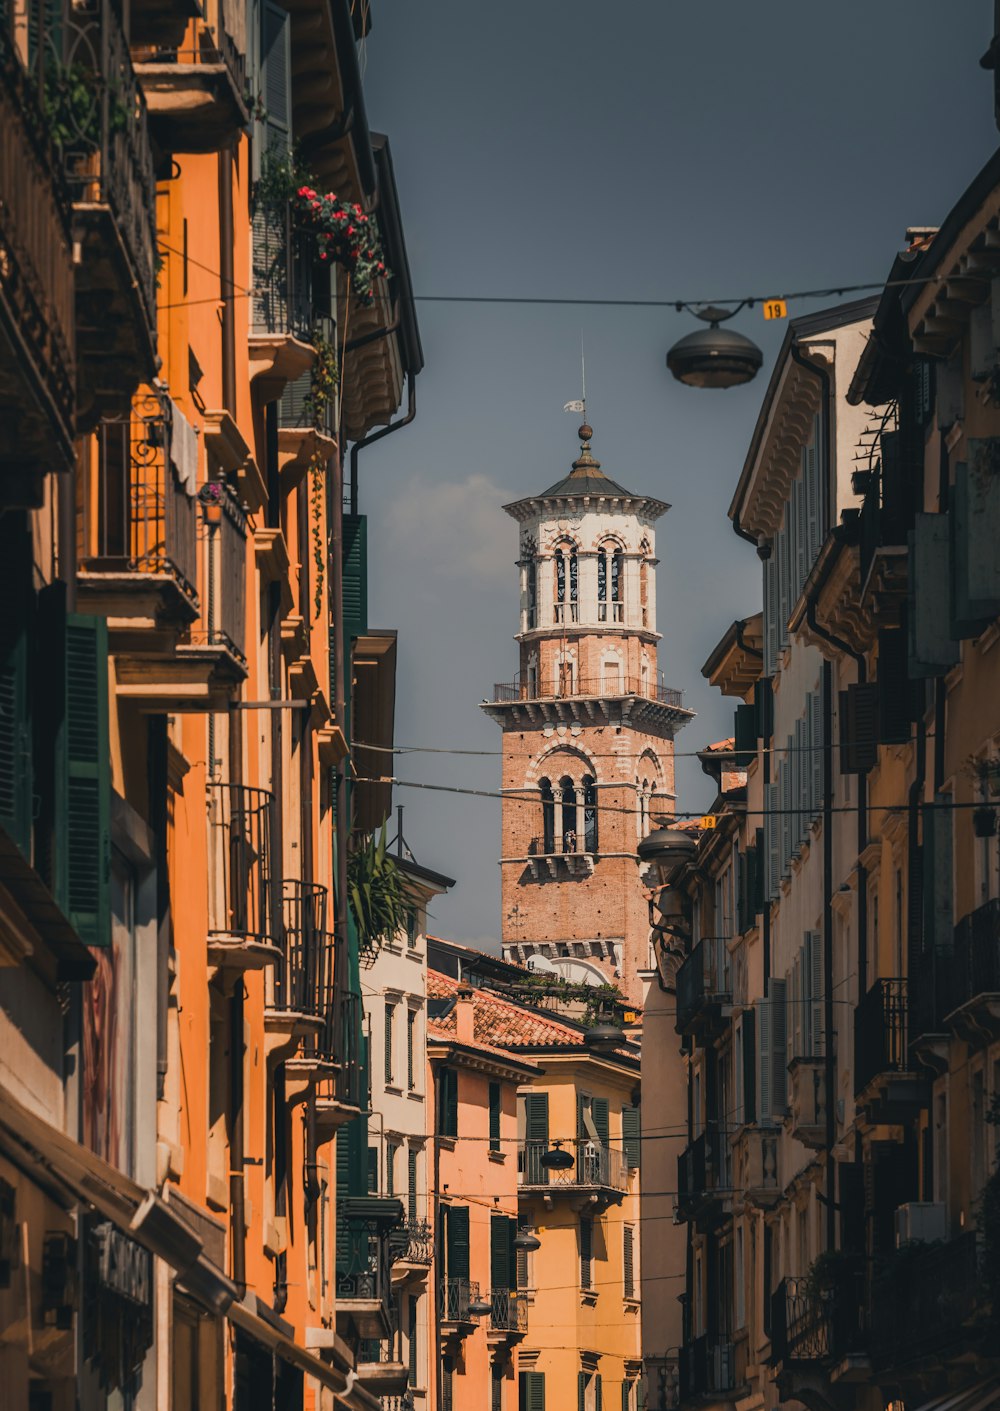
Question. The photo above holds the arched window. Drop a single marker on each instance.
(532, 681)
(567, 794)
(531, 576)
(566, 584)
(611, 676)
(643, 808)
(548, 816)
(610, 583)
(589, 814)
(644, 587)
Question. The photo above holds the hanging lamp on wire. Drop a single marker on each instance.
(556, 1158)
(527, 1240)
(714, 356)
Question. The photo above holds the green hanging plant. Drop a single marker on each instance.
(380, 895)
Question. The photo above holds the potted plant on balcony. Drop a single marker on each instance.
(344, 234)
(379, 893)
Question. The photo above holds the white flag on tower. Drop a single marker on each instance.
(574, 407)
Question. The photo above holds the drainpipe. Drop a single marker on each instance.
(237, 1186)
(372, 437)
(226, 244)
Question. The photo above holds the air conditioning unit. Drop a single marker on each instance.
(924, 1220)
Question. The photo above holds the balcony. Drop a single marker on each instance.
(508, 1315)
(707, 1368)
(243, 902)
(565, 698)
(924, 1303)
(970, 979)
(415, 1253)
(598, 1172)
(530, 688)
(885, 1084)
(194, 86)
(37, 319)
(306, 434)
(363, 1264)
(217, 643)
(380, 1367)
(138, 549)
(704, 990)
(281, 313)
(564, 856)
(302, 980)
(811, 1324)
(341, 1043)
(702, 1191)
(109, 166)
(807, 1100)
(455, 1318)
(757, 1172)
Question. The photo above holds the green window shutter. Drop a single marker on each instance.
(390, 1012)
(531, 1391)
(412, 1329)
(586, 1253)
(938, 874)
(372, 1171)
(581, 1391)
(599, 1111)
(858, 728)
(512, 1252)
(494, 1097)
(536, 1117)
(276, 84)
(411, 1023)
(449, 1102)
(343, 1188)
(632, 1135)
(746, 735)
(749, 1070)
(89, 779)
(626, 1395)
(457, 1241)
(932, 649)
(355, 560)
(390, 1167)
(628, 1260)
(411, 1183)
(581, 1125)
(521, 1267)
(500, 1271)
(446, 1389)
(15, 744)
(49, 742)
(598, 1397)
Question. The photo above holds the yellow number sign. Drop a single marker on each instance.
(708, 820)
(775, 308)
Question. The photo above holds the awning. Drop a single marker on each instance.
(278, 1336)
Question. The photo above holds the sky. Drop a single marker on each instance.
(659, 150)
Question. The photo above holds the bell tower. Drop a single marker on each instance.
(588, 729)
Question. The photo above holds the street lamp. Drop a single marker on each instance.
(556, 1159)
(527, 1240)
(714, 356)
(479, 1307)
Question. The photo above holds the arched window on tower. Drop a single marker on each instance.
(643, 808)
(644, 584)
(567, 831)
(589, 814)
(566, 584)
(610, 583)
(531, 576)
(548, 817)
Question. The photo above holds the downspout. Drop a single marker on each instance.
(237, 1180)
(373, 436)
(226, 271)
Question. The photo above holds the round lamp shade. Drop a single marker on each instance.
(528, 1241)
(479, 1307)
(714, 357)
(604, 1034)
(668, 845)
(557, 1159)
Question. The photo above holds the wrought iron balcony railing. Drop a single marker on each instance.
(283, 276)
(195, 88)
(613, 684)
(880, 1032)
(419, 1247)
(924, 1300)
(594, 1165)
(456, 1296)
(810, 1324)
(509, 1311)
(974, 967)
(302, 982)
(243, 898)
(223, 619)
(37, 285)
(139, 516)
(704, 987)
(706, 1366)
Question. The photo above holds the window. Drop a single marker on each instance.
(414, 1342)
(496, 1390)
(531, 1391)
(566, 584)
(611, 676)
(610, 583)
(390, 1012)
(644, 585)
(739, 1291)
(390, 1167)
(503, 1261)
(412, 927)
(586, 1254)
(627, 1398)
(494, 1116)
(411, 1044)
(447, 1114)
(589, 814)
(531, 591)
(411, 1183)
(372, 1170)
(589, 1392)
(567, 796)
(456, 1226)
(631, 1136)
(548, 817)
(628, 1260)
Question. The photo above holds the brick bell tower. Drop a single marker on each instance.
(588, 729)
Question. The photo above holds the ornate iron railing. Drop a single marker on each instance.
(880, 1032)
(707, 1365)
(509, 1311)
(419, 1248)
(138, 515)
(220, 38)
(302, 981)
(704, 983)
(594, 1165)
(531, 688)
(283, 270)
(241, 888)
(456, 1296)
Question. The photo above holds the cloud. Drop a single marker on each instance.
(454, 529)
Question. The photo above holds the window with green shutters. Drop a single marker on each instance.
(355, 560)
(535, 1125)
(411, 1183)
(626, 1394)
(372, 1170)
(531, 1391)
(15, 744)
(628, 1260)
(447, 1113)
(391, 1149)
(88, 780)
(581, 1391)
(592, 1118)
(503, 1256)
(411, 1328)
(447, 1398)
(411, 1044)
(586, 1254)
(456, 1241)
(390, 1016)
(494, 1116)
(632, 1136)
(598, 1392)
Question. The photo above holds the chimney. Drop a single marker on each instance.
(464, 1015)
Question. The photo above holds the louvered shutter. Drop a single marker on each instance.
(779, 1069)
(598, 1395)
(745, 738)
(88, 779)
(626, 1395)
(447, 1389)
(457, 1241)
(765, 1113)
(449, 1097)
(532, 1391)
(895, 691)
(749, 1064)
(355, 560)
(814, 508)
(500, 1270)
(414, 1344)
(932, 649)
(859, 728)
(411, 1183)
(536, 1117)
(390, 1016)
(15, 743)
(814, 982)
(521, 1265)
(785, 795)
(795, 1044)
(977, 544)
(343, 1189)
(938, 870)
(599, 1112)
(586, 1253)
(631, 1135)
(628, 1257)
(818, 744)
(494, 1116)
(773, 841)
(581, 1391)
(802, 529)
(276, 75)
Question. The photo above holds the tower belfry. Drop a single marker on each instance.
(588, 728)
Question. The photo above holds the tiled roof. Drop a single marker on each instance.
(498, 1021)
(721, 746)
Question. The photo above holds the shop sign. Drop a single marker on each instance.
(123, 1267)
